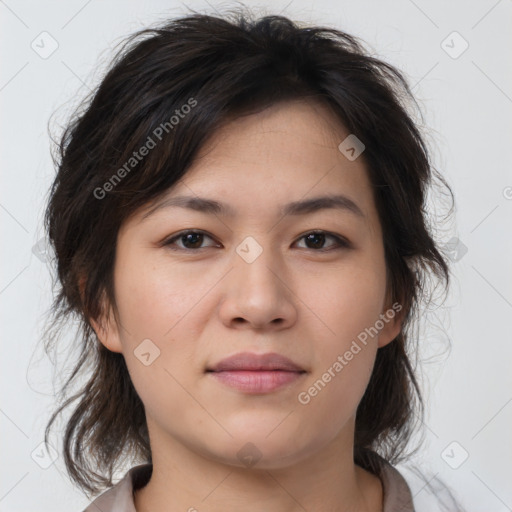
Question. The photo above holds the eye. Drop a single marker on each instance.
(192, 241)
(317, 238)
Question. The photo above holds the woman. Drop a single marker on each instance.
(239, 225)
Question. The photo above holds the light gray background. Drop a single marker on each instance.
(467, 103)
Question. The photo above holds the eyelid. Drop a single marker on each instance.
(168, 240)
(342, 242)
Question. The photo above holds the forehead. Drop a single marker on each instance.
(269, 162)
(286, 125)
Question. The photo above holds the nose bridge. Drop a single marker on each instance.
(257, 264)
(256, 291)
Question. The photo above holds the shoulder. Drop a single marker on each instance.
(119, 498)
(397, 496)
(412, 489)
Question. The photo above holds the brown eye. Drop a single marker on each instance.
(190, 239)
(316, 239)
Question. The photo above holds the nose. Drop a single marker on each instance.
(258, 295)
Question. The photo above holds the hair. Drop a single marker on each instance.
(222, 68)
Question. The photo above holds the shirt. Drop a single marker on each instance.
(120, 497)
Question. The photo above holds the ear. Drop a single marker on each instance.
(392, 316)
(105, 327)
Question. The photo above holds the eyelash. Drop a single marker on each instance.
(342, 243)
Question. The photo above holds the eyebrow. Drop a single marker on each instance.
(210, 206)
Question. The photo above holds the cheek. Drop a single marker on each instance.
(344, 364)
(346, 310)
(330, 399)
(153, 309)
(346, 305)
(154, 298)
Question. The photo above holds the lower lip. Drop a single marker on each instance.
(257, 381)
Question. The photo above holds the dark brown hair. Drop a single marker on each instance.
(228, 66)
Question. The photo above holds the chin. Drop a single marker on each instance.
(257, 450)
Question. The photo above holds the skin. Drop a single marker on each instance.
(200, 307)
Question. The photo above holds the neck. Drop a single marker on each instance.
(328, 480)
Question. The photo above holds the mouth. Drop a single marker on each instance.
(256, 373)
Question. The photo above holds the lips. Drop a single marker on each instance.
(256, 362)
(256, 373)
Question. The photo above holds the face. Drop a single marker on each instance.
(253, 277)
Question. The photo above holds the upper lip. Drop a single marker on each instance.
(249, 361)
